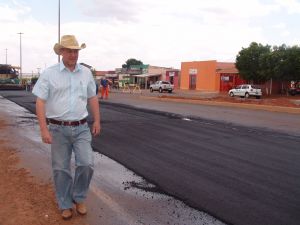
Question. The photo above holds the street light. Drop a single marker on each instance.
(20, 33)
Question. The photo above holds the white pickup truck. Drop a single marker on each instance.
(162, 86)
(245, 90)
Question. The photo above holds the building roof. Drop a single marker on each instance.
(226, 67)
(101, 73)
(147, 75)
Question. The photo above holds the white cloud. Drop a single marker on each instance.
(8, 14)
(124, 10)
(162, 33)
(285, 33)
(280, 25)
(292, 6)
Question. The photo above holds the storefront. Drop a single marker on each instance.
(209, 76)
(145, 80)
(173, 77)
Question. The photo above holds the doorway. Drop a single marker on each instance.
(193, 79)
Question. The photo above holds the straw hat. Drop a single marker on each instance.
(68, 41)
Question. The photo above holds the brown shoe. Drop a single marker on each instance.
(66, 214)
(81, 208)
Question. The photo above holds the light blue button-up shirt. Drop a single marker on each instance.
(65, 92)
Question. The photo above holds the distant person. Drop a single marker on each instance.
(104, 91)
(97, 87)
(63, 91)
(28, 85)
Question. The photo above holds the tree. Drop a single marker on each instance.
(250, 61)
(286, 65)
(131, 62)
(260, 63)
(289, 64)
(267, 64)
(280, 56)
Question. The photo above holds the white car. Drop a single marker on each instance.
(245, 90)
(162, 86)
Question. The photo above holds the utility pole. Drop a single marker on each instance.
(58, 26)
(38, 69)
(20, 33)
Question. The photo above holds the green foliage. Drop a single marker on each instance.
(249, 62)
(288, 63)
(131, 62)
(260, 63)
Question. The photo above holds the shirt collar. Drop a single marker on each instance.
(62, 67)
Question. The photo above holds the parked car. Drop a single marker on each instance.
(246, 90)
(295, 89)
(162, 86)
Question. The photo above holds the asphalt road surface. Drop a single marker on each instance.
(239, 174)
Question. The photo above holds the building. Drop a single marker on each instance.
(209, 76)
(173, 75)
(145, 75)
(142, 75)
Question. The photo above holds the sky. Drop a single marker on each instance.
(157, 32)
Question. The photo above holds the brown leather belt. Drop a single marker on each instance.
(66, 123)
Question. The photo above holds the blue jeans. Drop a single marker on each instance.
(65, 140)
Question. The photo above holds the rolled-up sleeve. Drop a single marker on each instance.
(41, 88)
(91, 87)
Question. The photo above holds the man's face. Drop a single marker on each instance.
(70, 57)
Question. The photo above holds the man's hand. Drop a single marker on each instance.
(94, 105)
(46, 136)
(96, 129)
(40, 112)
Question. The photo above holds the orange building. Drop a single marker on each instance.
(209, 76)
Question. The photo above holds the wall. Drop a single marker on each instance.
(173, 74)
(206, 77)
(274, 87)
(234, 80)
(158, 70)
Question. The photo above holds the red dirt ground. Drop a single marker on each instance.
(285, 101)
(24, 199)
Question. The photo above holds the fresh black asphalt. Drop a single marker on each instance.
(241, 175)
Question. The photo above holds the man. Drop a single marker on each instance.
(63, 91)
(104, 91)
